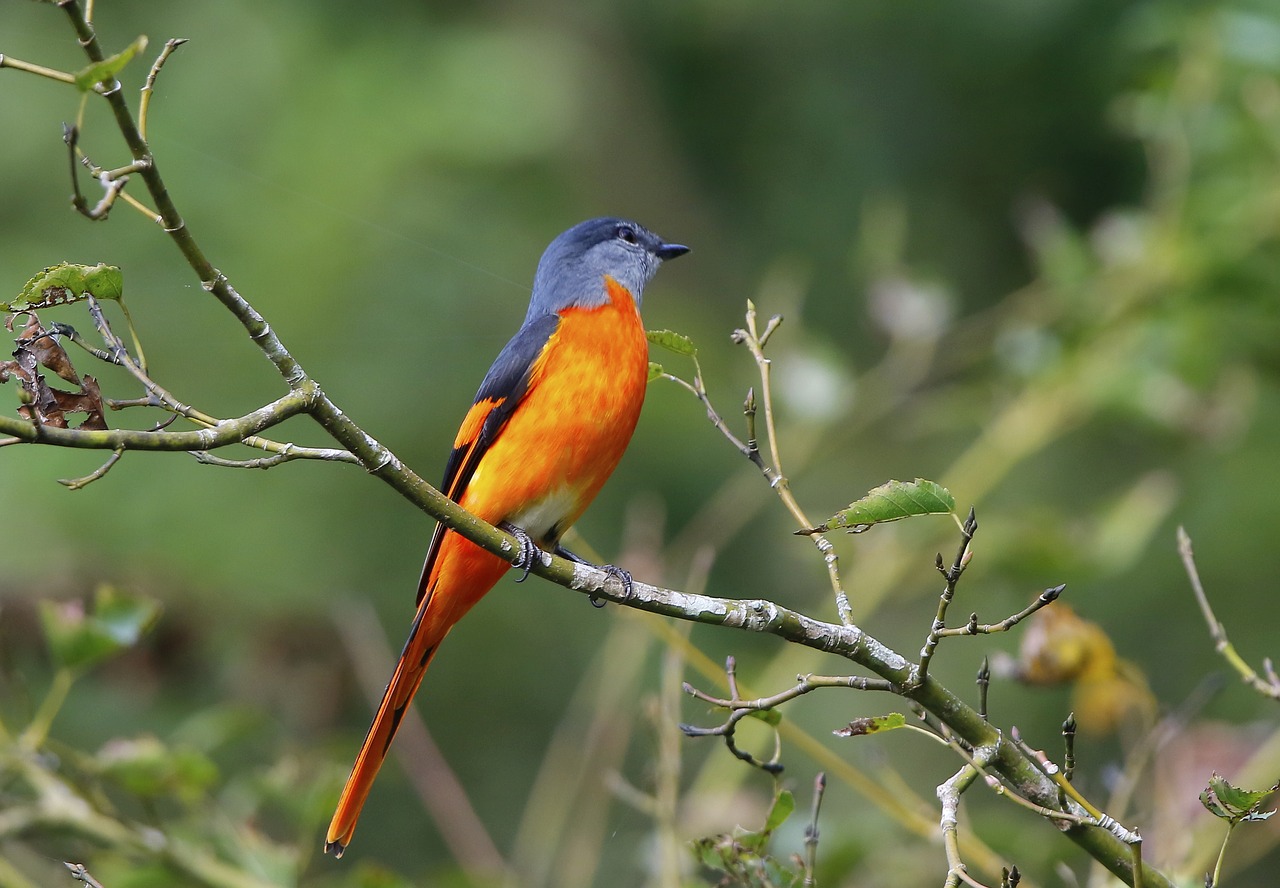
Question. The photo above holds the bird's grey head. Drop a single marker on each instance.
(574, 266)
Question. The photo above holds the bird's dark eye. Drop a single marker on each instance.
(626, 233)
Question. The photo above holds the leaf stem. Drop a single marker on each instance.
(38, 729)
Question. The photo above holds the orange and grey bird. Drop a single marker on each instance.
(550, 422)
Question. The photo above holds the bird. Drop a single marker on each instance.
(546, 429)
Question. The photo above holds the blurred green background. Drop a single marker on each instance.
(1028, 250)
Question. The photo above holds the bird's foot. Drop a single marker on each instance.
(622, 575)
(529, 552)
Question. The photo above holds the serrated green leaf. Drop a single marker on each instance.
(672, 341)
(65, 282)
(891, 501)
(78, 640)
(1213, 806)
(783, 806)
(768, 716)
(655, 371)
(108, 68)
(1228, 802)
(1233, 796)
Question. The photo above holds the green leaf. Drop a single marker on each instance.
(749, 842)
(782, 808)
(108, 68)
(65, 282)
(862, 726)
(768, 716)
(656, 371)
(713, 853)
(78, 640)
(1234, 804)
(146, 767)
(672, 341)
(891, 501)
(1234, 796)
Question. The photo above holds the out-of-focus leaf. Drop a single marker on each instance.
(67, 282)
(655, 370)
(672, 341)
(891, 501)
(87, 78)
(78, 640)
(783, 806)
(210, 729)
(146, 767)
(862, 726)
(712, 854)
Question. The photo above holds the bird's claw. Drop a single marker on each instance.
(622, 575)
(528, 556)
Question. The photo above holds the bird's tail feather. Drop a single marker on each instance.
(404, 683)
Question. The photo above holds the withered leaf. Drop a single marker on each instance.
(96, 420)
(47, 350)
(860, 727)
(41, 402)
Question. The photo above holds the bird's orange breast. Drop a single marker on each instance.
(575, 421)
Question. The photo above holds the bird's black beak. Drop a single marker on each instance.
(670, 251)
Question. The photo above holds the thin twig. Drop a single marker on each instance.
(148, 88)
(111, 187)
(40, 70)
(80, 874)
(81, 483)
(973, 627)
(755, 343)
(811, 833)
(288, 453)
(1069, 742)
(1269, 686)
(157, 396)
(984, 685)
(949, 793)
(952, 575)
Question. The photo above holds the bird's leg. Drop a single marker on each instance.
(528, 550)
(622, 575)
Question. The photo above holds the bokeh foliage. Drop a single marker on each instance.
(1031, 251)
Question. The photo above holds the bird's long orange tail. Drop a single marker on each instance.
(461, 575)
